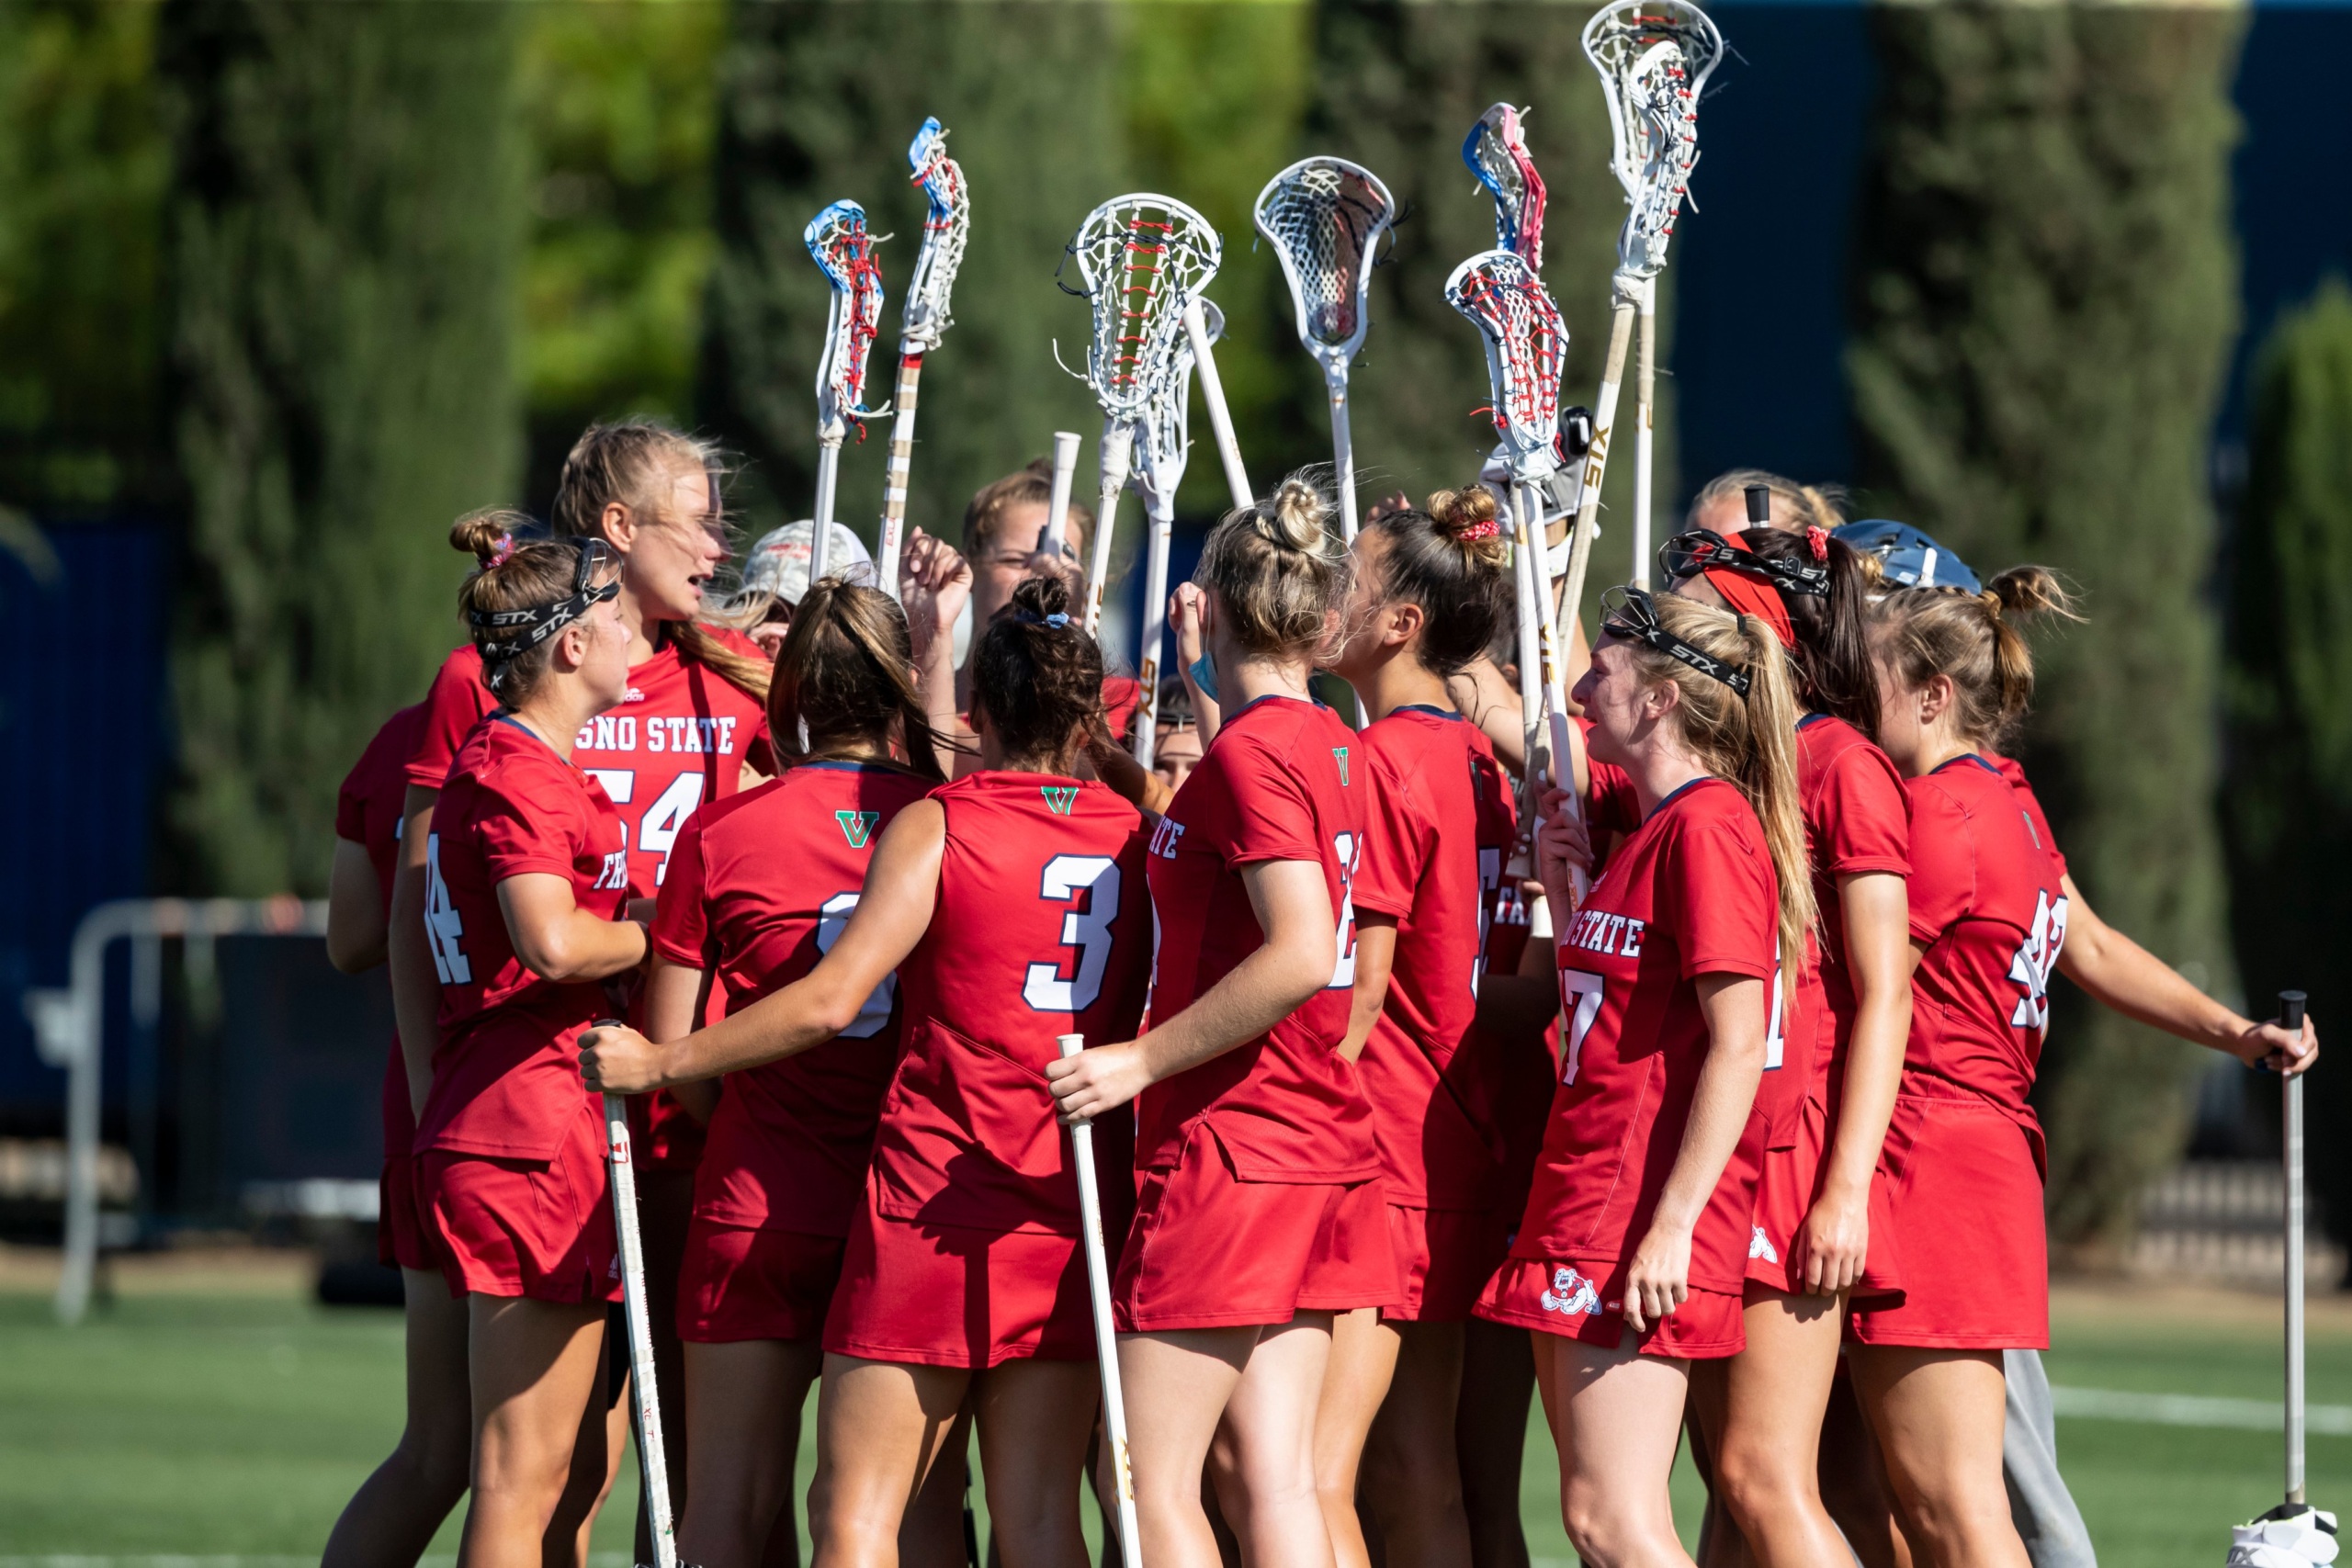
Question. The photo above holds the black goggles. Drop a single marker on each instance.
(1686, 555)
(504, 636)
(1630, 612)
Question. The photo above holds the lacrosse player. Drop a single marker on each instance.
(1676, 972)
(527, 869)
(1426, 592)
(1820, 1227)
(1260, 1211)
(1010, 906)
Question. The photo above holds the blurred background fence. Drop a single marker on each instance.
(284, 287)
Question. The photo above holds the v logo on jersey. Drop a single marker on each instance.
(1059, 799)
(1339, 755)
(857, 826)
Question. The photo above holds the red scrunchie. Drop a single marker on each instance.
(1817, 541)
(501, 550)
(1486, 530)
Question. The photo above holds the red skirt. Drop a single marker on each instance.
(1444, 1257)
(523, 1227)
(1786, 1191)
(402, 1239)
(1210, 1251)
(1965, 1189)
(958, 1296)
(1587, 1304)
(739, 1283)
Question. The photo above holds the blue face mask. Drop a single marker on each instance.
(1203, 675)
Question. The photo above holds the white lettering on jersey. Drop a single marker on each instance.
(1087, 930)
(1348, 847)
(2036, 956)
(874, 1016)
(1164, 837)
(443, 927)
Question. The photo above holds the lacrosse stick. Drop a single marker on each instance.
(1496, 151)
(651, 1457)
(1166, 436)
(924, 322)
(1107, 1343)
(1066, 445)
(1654, 57)
(1142, 259)
(1203, 324)
(1324, 218)
(843, 252)
(1526, 343)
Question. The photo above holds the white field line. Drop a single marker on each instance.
(2188, 1410)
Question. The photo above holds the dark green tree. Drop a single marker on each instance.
(344, 232)
(2044, 299)
(1400, 85)
(2287, 795)
(817, 102)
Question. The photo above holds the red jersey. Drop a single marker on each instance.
(1987, 908)
(1040, 929)
(1279, 783)
(1691, 893)
(2009, 769)
(367, 810)
(505, 1077)
(1438, 827)
(1856, 820)
(760, 885)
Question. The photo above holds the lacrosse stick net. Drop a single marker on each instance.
(1496, 151)
(1140, 258)
(1325, 217)
(843, 252)
(1654, 57)
(1526, 346)
(946, 226)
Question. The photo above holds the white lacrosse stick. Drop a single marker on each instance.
(653, 1459)
(843, 251)
(1526, 346)
(1106, 1341)
(1066, 445)
(1166, 437)
(1203, 324)
(1324, 218)
(946, 226)
(1654, 57)
(1496, 151)
(1142, 258)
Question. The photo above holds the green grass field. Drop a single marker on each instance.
(226, 1425)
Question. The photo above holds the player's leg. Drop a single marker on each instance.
(533, 1369)
(1938, 1417)
(394, 1515)
(1852, 1478)
(1412, 1480)
(1765, 1445)
(881, 1427)
(596, 1457)
(1355, 1381)
(1490, 1440)
(1036, 1421)
(1177, 1384)
(743, 1400)
(1617, 1417)
(1268, 1443)
(932, 1535)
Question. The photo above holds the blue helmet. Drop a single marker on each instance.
(1906, 557)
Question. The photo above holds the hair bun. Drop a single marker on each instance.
(1039, 599)
(489, 535)
(1462, 513)
(1296, 516)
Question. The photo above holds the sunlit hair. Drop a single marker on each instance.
(845, 680)
(1449, 561)
(1277, 573)
(1975, 640)
(511, 575)
(1806, 506)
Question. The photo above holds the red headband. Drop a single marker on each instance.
(1750, 597)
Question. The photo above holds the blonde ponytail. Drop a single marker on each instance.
(1277, 573)
(1977, 642)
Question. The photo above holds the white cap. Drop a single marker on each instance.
(778, 564)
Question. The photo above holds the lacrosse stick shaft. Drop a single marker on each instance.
(902, 462)
(1118, 446)
(1229, 448)
(828, 469)
(1066, 445)
(1106, 1342)
(1644, 428)
(2291, 1015)
(1536, 586)
(1162, 512)
(1596, 461)
(651, 1453)
(1344, 451)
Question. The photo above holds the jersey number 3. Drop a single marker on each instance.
(1086, 931)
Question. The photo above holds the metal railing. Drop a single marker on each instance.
(69, 1028)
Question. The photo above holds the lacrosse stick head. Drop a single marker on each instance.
(1140, 258)
(843, 252)
(1496, 151)
(946, 225)
(1654, 57)
(1526, 345)
(1164, 435)
(1325, 217)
